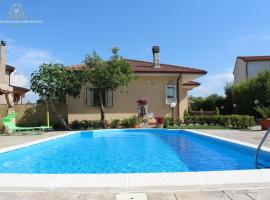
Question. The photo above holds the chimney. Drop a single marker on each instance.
(155, 50)
(2, 60)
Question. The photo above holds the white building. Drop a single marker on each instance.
(249, 66)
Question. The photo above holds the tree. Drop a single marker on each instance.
(209, 103)
(244, 94)
(52, 83)
(107, 75)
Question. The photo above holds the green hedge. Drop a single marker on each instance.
(235, 121)
(168, 121)
(86, 124)
(95, 124)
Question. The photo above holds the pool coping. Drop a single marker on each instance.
(135, 181)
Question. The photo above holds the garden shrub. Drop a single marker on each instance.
(130, 122)
(168, 121)
(86, 124)
(75, 124)
(115, 123)
(126, 123)
(96, 124)
(235, 121)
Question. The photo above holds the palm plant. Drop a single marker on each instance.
(263, 111)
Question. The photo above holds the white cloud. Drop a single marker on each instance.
(30, 97)
(26, 60)
(213, 83)
(18, 79)
(30, 58)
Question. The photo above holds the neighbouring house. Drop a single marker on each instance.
(8, 92)
(249, 66)
(161, 84)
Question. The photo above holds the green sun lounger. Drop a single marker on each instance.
(11, 126)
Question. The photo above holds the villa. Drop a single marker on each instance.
(161, 84)
(249, 66)
(5, 85)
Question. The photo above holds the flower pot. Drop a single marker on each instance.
(160, 125)
(135, 126)
(265, 123)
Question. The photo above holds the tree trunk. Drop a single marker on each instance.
(59, 117)
(102, 115)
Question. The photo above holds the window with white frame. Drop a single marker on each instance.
(92, 97)
(170, 94)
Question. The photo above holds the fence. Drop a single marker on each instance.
(35, 114)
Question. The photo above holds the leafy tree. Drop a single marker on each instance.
(52, 83)
(244, 94)
(107, 75)
(209, 103)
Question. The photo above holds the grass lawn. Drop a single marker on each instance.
(199, 127)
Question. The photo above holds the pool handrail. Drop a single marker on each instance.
(260, 146)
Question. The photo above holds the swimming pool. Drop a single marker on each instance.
(130, 151)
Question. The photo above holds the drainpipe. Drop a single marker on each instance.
(177, 95)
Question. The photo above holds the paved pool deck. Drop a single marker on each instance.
(249, 136)
(238, 194)
(12, 140)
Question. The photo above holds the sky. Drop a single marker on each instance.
(204, 34)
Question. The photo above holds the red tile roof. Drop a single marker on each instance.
(147, 67)
(20, 90)
(254, 58)
(192, 83)
(10, 68)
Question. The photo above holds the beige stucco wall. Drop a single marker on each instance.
(239, 71)
(254, 67)
(5, 80)
(2, 99)
(125, 103)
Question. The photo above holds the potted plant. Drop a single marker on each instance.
(135, 121)
(265, 113)
(159, 122)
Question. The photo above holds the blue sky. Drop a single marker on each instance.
(207, 34)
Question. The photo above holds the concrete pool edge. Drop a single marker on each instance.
(136, 181)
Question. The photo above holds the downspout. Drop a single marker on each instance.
(247, 70)
(178, 95)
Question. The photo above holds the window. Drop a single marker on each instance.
(92, 97)
(170, 94)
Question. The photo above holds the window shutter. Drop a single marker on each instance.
(109, 98)
(89, 97)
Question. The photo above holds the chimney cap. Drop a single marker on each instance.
(155, 49)
(3, 43)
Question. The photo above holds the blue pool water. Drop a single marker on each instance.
(129, 151)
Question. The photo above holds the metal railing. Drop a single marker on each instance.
(259, 147)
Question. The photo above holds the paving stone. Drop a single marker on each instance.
(96, 196)
(239, 196)
(259, 195)
(161, 196)
(201, 195)
(10, 196)
(50, 196)
(131, 196)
